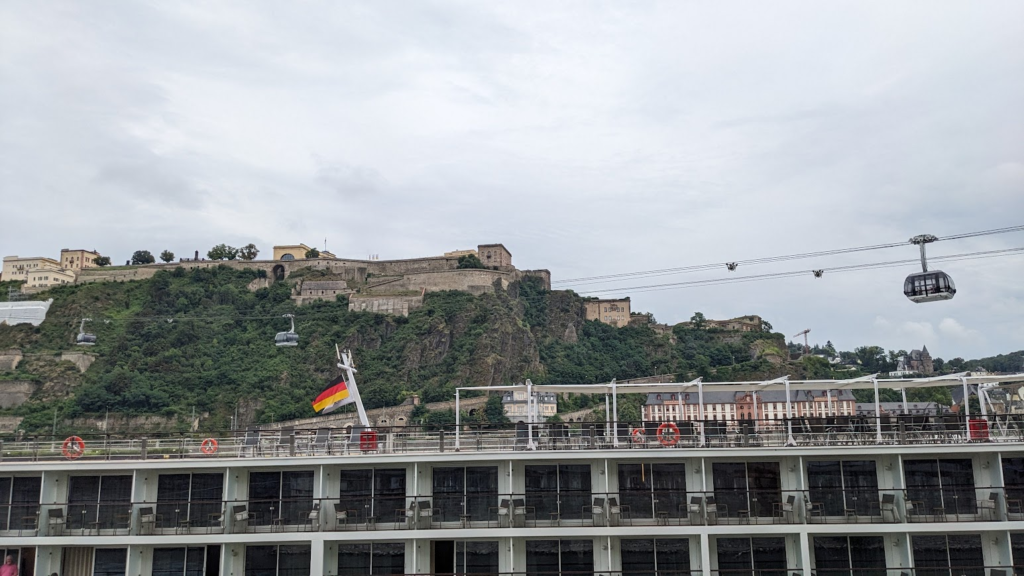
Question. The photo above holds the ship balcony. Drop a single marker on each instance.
(565, 508)
(718, 434)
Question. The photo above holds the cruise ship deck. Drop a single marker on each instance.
(824, 493)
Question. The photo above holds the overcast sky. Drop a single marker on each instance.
(590, 138)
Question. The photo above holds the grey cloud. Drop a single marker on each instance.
(590, 138)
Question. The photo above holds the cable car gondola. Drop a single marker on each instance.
(289, 338)
(84, 339)
(928, 286)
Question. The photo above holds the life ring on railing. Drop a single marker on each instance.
(209, 446)
(638, 436)
(668, 434)
(73, 448)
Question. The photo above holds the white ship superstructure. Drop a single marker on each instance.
(823, 494)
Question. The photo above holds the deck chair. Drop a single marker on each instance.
(596, 511)
(321, 442)
(693, 510)
(989, 506)
(786, 509)
(341, 515)
(313, 518)
(241, 516)
(504, 510)
(55, 522)
(250, 444)
(147, 520)
(888, 506)
(616, 510)
(519, 511)
(285, 441)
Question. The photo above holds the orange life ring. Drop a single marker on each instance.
(73, 448)
(668, 434)
(209, 446)
(638, 436)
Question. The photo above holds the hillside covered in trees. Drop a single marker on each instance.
(203, 341)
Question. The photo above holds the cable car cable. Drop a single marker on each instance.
(771, 259)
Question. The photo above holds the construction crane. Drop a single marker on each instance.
(807, 349)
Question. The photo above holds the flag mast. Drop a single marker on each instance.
(345, 363)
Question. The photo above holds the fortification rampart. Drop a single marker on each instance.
(9, 360)
(474, 281)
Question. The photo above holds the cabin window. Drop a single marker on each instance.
(559, 556)
(563, 489)
(936, 555)
(661, 556)
(283, 560)
(287, 496)
(195, 498)
(19, 502)
(842, 555)
(748, 556)
(371, 558)
(469, 490)
(651, 488)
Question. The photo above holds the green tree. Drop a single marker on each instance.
(872, 358)
(103, 261)
(142, 257)
(766, 326)
(222, 252)
(698, 321)
(312, 253)
(248, 252)
(955, 363)
(167, 255)
(437, 419)
(830, 349)
(470, 261)
(494, 410)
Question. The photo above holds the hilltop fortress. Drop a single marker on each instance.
(385, 286)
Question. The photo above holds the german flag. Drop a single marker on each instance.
(336, 395)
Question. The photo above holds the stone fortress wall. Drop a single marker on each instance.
(387, 286)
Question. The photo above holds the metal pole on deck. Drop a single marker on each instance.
(529, 416)
(700, 408)
(878, 413)
(607, 415)
(981, 401)
(903, 391)
(789, 417)
(615, 411)
(967, 405)
(458, 420)
(754, 396)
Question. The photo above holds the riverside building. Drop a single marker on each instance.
(810, 495)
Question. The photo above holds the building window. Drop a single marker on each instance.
(470, 490)
(19, 502)
(842, 555)
(110, 562)
(374, 492)
(750, 487)
(563, 489)
(750, 556)
(371, 558)
(287, 496)
(193, 498)
(653, 489)
(844, 485)
(99, 502)
(945, 484)
(464, 557)
(656, 557)
(552, 557)
(283, 560)
(943, 555)
(179, 561)
(1013, 479)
